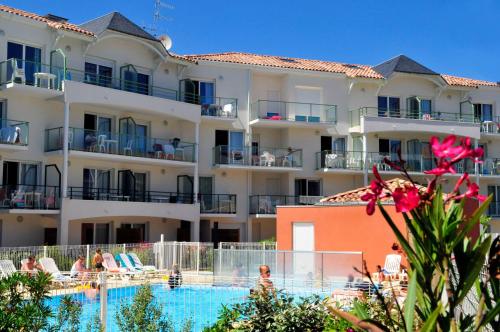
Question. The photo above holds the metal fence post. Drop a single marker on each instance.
(220, 251)
(103, 295)
(161, 253)
(44, 251)
(124, 249)
(88, 256)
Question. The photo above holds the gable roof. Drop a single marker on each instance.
(116, 22)
(61, 25)
(349, 70)
(402, 64)
(354, 196)
(466, 82)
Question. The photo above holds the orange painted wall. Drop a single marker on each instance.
(342, 228)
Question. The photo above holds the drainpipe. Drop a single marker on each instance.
(65, 149)
(196, 154)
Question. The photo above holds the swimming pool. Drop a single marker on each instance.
(199, 303)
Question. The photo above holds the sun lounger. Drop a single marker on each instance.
(125, 261)
(136, 262)
(110, 265)
(7, 268)
(50, 266)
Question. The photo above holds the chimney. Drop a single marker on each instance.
(56, 18)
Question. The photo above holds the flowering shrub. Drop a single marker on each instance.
(445, 261)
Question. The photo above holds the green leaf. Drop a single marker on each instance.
(409, 309)
(430, 324)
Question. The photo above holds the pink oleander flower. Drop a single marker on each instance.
(446, 149)
(406, 198)
(472, 189)
(442, 168)
(376, 191)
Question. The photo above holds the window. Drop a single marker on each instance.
(388, 106)
(388, 146)
(28, 58)
(95, 233)
(483, 112)
(3, 110)
(19, 173)
(229, 144)
(198, 92)
(306, 187)
(494, 207)
(419, 108)
(96, 182)
(98, 74)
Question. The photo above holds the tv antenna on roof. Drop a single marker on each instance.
(158, 16)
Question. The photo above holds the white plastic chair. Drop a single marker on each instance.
(392, 264)
(7, 268)
(101, 146)
(267, 159)
(128, 149)
(18, 73)
(227, 110)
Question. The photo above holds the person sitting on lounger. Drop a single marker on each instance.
(175, 277)
(78, 269)
(31, 266)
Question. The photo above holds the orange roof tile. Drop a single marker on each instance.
(50, 23)
(467, 82)
(349, 70)
(354, 196)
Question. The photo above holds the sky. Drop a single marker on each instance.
(458, 37)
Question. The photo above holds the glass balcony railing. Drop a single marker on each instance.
(266, 204)
(414, 163)
(409, 114)
(293, 111)
(14, 132)
(31, 73)
(220, 107)
(218, 203)
(108, 81)
(120, 144)
(253, 156)
(109, 194)
(351, 160)
(29, 197)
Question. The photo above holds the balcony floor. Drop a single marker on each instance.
(258, 168)
(29, 211)
(17, 89)
(13, 147)
(216, 119)
(265, 123)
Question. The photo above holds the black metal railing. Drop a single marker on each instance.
(110, 194)
(30, 197)
(221, 107)
(218, 203)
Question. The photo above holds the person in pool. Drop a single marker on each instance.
(265, 282)
(175, 277)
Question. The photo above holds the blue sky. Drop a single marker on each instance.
(457, 37)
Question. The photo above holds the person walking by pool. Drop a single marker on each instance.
(31, 266)
(175, 277)
(97, 261)
(78, 269)
(265, 282)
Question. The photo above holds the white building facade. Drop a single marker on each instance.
(107, 137)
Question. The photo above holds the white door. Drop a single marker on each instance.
(303, 240)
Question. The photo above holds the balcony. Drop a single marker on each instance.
(339, 162)
(213, 108)
(265, 205)
(108, 194)
(278, 114)
(36, 78)
(491, 127)
(259, 159)
(29, 198)
(217, 204)
(121, 147)
(14, 135)
(372, 120)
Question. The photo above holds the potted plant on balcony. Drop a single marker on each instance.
(448, 267)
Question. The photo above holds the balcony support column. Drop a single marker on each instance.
(63, 225)
(196, 155)
(65, 150)
(365, 161)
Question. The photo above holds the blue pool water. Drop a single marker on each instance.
(201, 304)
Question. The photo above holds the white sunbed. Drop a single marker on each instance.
(125, 260)
(50, 266)
(110, 265)
(138, 264)
(7, 268)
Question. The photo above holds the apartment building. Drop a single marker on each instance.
(107, 136)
